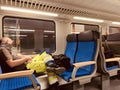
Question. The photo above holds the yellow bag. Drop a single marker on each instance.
(38, 63)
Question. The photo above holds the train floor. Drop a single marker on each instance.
(114, 85)
(95, 85)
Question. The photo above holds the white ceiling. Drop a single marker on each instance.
(103, 9)
(107, 6)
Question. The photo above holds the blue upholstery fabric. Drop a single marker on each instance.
(70, 51)
(113, 67)
(85, 52)
(17, 83)
(67, 74)
(0, 71)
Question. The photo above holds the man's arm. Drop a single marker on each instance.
(13, 63)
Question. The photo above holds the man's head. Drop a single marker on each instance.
(6, 40)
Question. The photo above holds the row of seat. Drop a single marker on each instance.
(82, 50)
(85, 51)
(86, 57)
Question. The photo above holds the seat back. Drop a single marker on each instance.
(113, 41)
(106, 66)
(71, 47)
(108, 52)
(87, 48)
(113, 37)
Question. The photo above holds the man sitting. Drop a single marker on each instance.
(10, 62)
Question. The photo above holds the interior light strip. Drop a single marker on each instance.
(48, 31)
(118, 23)
(19, 35)
(88, 19)
(21, 30)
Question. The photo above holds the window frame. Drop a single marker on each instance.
(86, 24)
(30, 19)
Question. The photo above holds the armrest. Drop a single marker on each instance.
(27, 73)
(112, 59)
(16, 74)
(81, 64)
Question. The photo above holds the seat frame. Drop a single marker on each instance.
(25, 73)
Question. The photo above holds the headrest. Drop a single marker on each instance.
(90, 35)
(71, 38)
(113, 37)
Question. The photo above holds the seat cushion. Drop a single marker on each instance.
(67, 74)
(86, 52)
(112, 67)
(17, 83)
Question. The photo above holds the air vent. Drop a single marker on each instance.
(35, 4)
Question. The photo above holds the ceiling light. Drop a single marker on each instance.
(75, 32)
(24, 30)
(27, 11)
(46, 36)
(118, 23)
(46, 31)
(19, 35)
(88, 19)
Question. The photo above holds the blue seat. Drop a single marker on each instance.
(105, 66)
(21, 80)
(109, 64)
(71, 47)
(112, 67)
(67, 75)
(83, 58)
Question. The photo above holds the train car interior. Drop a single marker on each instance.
(86, 31)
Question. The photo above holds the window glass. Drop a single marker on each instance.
(80, 27)
(30, 35)
(113, 30)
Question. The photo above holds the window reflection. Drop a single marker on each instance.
(113, 30)
(30, 35)
(80, 27)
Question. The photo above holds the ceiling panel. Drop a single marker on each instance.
(110, 6)
(103, 9)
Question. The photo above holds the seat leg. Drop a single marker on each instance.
(105, 82)
(77, 86)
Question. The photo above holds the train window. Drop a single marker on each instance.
(113, 30)
(30, 35)
(80, 27)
